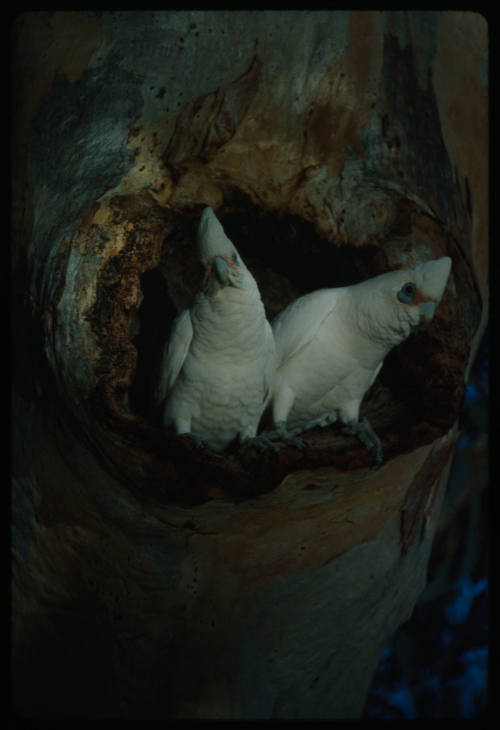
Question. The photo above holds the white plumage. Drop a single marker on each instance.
(219, 363)
(331, 344)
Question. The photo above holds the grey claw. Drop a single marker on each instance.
(261, 443)
(365, 433)
(198, 442)
(281, 433)
(377, 455)
(297, 442)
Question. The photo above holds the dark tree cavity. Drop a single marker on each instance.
(152, 579)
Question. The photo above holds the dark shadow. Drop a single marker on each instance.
(156, 314)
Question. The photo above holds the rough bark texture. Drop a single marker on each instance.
(151, 579)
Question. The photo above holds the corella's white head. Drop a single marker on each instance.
(424, 287)
(222, 262)
(399, 301)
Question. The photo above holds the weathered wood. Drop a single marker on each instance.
(164, 581)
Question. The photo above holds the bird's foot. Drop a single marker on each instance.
(365, 433)
(261, 443)
(281, 433)
(199, 443)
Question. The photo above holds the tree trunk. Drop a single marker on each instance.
(151, 579)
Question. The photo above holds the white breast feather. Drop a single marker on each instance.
(219, 364)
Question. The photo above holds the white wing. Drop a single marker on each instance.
(270, 368)
(296, 325)
(174, 354)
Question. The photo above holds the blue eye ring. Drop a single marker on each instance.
(235, 259)
(407, 293)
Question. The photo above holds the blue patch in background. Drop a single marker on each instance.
(436, 664)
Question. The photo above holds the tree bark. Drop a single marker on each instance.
(151, 579)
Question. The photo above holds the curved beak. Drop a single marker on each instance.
(427, 310)
(434, 276)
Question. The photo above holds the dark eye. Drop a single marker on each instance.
(235, 259)
(407, 292)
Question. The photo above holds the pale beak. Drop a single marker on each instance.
(434, 275)
(427, 310)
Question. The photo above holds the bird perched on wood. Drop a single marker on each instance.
(219, 363)
(331, 344)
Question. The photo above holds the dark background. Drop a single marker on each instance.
(436, 664)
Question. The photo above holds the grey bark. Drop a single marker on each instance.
(152, 580)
